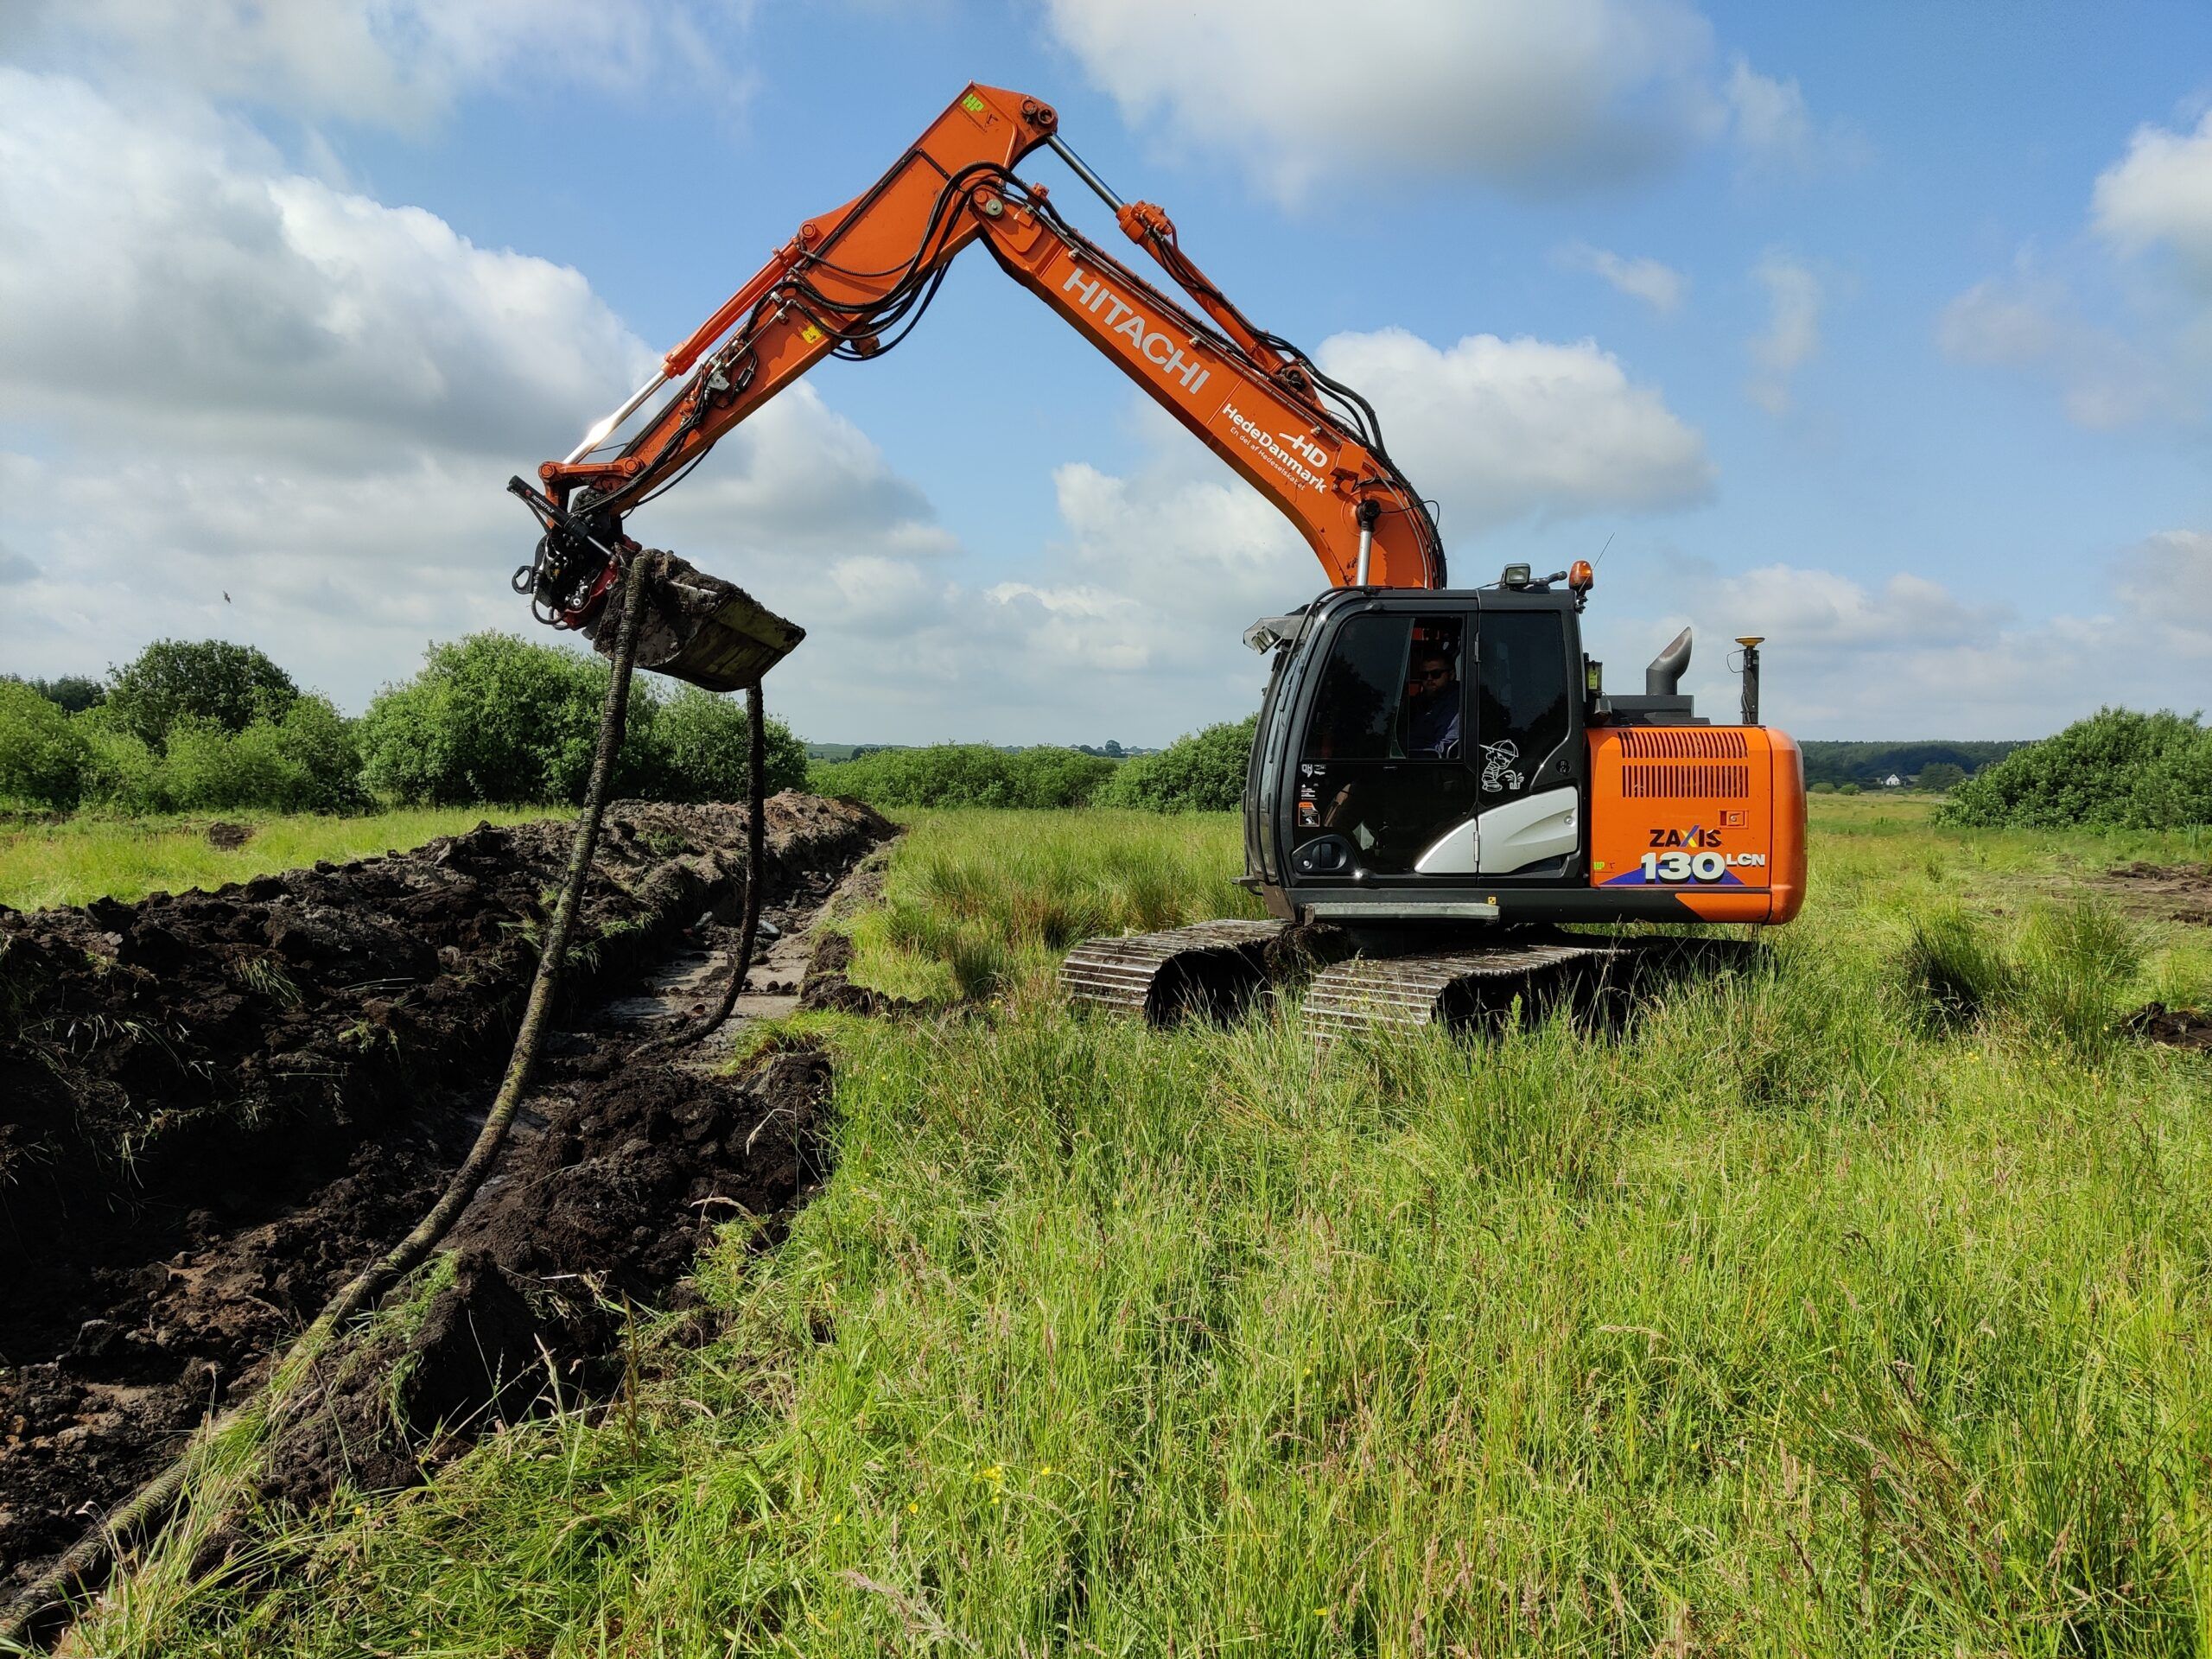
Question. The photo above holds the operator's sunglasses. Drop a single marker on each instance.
(1432, 674)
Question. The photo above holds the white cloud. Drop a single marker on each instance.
(1502, 430)
(2160, 195)
(1909, 658)
(2149, 359)
(2031, 322)
(395, 63)
(1659, 286)
(797, 481)
(247, 381)
(1124, 620)
(2165, 586)
(1124, 624)
(341, 576)
(1569, 92)
(1792, 336)
(1770, 118)
(171, 276)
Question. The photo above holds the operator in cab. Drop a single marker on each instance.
(1433, 699)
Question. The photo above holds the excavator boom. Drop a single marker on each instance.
(853, 280)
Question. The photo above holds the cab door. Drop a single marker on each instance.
(1382, 769)
(1527, 751)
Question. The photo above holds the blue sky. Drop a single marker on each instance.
(1884, 331)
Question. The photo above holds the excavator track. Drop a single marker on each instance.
(1209, 968)
(1215, 968)
(1368, 994)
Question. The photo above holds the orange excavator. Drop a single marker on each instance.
(1440, 781)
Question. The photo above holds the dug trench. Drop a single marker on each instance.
(218, 1106)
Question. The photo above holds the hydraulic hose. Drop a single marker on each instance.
(756, 847)
(47, 1607)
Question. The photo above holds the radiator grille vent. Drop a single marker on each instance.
(1686, 782)
(1682, 743)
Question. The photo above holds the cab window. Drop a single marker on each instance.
(1391, 690)
(1522, 712)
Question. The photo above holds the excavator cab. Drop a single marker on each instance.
(1446, 757)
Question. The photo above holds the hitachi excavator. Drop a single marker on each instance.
(1440, 782)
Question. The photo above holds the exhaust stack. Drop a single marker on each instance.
(1664, 677)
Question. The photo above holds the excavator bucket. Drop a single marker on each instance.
(704, 630)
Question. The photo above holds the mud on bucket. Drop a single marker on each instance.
(700, 628)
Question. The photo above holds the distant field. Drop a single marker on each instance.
(75, 860)
(1858, 1304)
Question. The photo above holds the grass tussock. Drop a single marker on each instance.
(1791, 1320)
(2072, 972)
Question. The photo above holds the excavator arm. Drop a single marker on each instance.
(854, 279)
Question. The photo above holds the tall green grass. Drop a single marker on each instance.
(977, 901)
(75, 860)
(1791, 1321)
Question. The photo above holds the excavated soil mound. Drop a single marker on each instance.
(2190, 1028)
(2180, 893)
(214, 1107)
(604, 1211)
(828, 986)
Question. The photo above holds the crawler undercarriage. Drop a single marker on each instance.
(1378, 981)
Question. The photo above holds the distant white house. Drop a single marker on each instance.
(1893, 782)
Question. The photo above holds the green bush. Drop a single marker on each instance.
(206, 680)
(1055, 777)
(302, 762)
(495, 718)
(492, 717)
(42, 753)
(699, 745)
(2117, 770)
(964, 775)
(1203, 773)
(121, 772)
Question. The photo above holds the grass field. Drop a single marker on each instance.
(1858, 1304)
(75, 861)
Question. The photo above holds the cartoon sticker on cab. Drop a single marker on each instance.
(1498, 774)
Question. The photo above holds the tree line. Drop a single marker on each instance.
(1938, 764)
(1202, 773)
(194, 726)
(208, 726)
